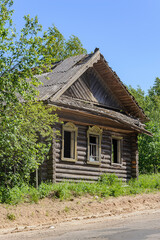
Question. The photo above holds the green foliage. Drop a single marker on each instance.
(67, 191)
(66, 209)
(58, 48)
(22, 149)
(149, 147)
(26, 124)
(109, 179)
(33, 195)
(146, 182)
(139, 95)
(11, 216)
(30, 52)
(45, 189)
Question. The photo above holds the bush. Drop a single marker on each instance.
(11, 216)
(109, 179)
(145, 183)
(45, 189)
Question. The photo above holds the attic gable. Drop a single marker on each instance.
(90, 88)
(120, 90)
(65, 73)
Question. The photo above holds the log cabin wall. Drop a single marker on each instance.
(89, 93)
(134, 155)
(81, 170)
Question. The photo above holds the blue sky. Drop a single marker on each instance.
(127, 32)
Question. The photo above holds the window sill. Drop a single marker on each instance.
(68, 160)
(93, 163)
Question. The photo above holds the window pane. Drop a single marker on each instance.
(94, 148)
(116, 150)
(93, 139)
(67, 144)
(73, 145)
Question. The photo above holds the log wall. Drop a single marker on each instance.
(80, 170)
(134, 155)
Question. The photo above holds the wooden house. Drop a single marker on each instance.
(101, 121)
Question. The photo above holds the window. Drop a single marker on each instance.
(69, 142)
(94, 135)
(116, 150)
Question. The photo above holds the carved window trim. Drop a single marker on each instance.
(94, 132)
(118, 142)
(70, 127)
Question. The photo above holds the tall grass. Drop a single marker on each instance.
(108, 185)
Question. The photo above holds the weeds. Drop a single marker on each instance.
(11, 216)
(66, 209)
(108, 185)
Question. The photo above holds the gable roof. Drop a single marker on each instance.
(65, 73)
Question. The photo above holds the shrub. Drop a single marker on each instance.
(109, 179)
(45, 189)
(11, 216)
(33, 195)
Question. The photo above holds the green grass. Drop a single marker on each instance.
(11, 216)
(108, 185)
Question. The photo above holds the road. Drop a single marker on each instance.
(137, 226)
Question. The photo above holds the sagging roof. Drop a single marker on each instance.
(65, 73)
(115, 116)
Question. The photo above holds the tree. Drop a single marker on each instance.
(23, 120)
(149, 147)
(58, 48)
(139, 95)
(23, 52)
(26, 133)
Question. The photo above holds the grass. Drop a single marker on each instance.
(66, 209)
(11, 216)
(108, 185)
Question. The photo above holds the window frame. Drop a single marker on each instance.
(94, 131)
(119, 150)
(70, 127)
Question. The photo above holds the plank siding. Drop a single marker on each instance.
(81, 170)
(90, 87)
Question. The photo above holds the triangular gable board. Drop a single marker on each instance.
(108, 90)
(89, 87)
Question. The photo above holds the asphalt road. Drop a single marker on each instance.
(137, 226)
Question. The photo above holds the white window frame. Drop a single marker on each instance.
(96, 132)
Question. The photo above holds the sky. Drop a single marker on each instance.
(127, 32)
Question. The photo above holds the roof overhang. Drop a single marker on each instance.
(119, 89)
(62, 79)
(118, 118)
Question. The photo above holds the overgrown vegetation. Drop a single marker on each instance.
(149, 147)
(23, 119)
(108, 185)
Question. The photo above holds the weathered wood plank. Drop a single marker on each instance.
(78, 172)
(71, 176)
(84, 177)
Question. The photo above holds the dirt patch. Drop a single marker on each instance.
(50, 211)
